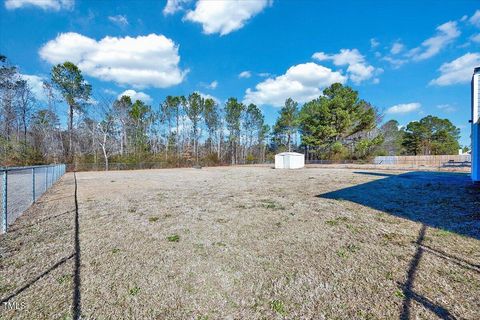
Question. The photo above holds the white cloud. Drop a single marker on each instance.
(446, 33)
(447, 108)
(302, 82)
(397, 47)
(36, 86)
(92, 101)
(110, 92)
(143, 61)
(213, 85)
(55, 5)
(245, 74)
(134, 95)
(459, 70)
(404, 108)
(396, 63)
(119, 20)
(224, 17)
(475, 19)
(174, 6)
(475, 38)
(374, 43)
(358, 69)
(209, 96)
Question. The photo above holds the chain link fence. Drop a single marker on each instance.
(22, 186)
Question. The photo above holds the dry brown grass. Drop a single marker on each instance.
(249, 243)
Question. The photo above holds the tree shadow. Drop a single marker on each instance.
(408, 290)
(37, 278)
(441, 200)
(455, 260)
(437, 199)
(40, 201)
(19, 227)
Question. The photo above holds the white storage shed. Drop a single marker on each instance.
(289, 160)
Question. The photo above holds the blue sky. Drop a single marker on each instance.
(408, 58)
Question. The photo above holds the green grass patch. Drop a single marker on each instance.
(153, 219)
(66, 316)
(442, 233)
(344, 251)
(389, 275)
(336, 221)
(173, 238)
(399, 294)
(278, 307)
(352, 248)
(270, 204)
(353, 228)
(64, 279)
(220, 244)
(341, 253)
(134, 291)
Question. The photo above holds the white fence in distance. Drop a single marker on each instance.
(457, 160)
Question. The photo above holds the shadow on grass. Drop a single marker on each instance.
(76, 303)
(40, 201)
(442, 200)
(17, 228)
(437, 199)
(407, 287)
(33, 281)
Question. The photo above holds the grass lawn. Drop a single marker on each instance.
(247, 243)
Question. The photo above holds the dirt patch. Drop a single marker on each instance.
(250, 243)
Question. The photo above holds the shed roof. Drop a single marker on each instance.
(290, 154)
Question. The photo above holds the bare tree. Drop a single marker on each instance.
(25, 103)
(105, 128)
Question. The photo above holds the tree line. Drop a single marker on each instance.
(193, 129)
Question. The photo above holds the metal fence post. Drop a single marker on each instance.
(4, 204)
(33, 185)
(46, 178)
